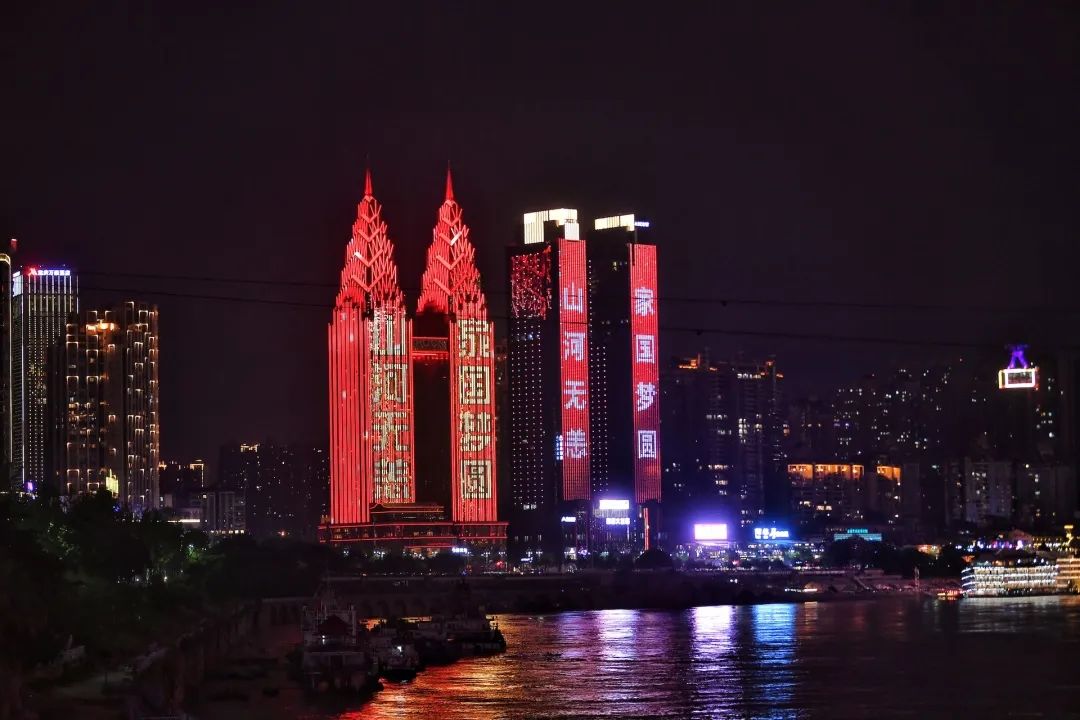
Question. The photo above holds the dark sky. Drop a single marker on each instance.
(851, 152)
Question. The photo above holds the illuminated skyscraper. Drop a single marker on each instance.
(371, 401)
(105, 401)
(42, 301)
(548, 361)
(420, 480)
(584, 381)
(624, 360)
(452, 313)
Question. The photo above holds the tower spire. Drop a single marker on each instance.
(367, 182)
(449, 184)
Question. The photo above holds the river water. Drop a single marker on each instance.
(885, 658)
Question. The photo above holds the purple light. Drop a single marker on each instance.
(1017, 360)
(30, 486)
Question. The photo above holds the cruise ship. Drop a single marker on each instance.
(1013, 573)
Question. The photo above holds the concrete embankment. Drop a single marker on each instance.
(427, 595)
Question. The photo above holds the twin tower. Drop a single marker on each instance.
(376, 360)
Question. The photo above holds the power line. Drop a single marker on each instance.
(696, 330)
(689, 299)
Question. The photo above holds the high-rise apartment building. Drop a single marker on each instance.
(278, 486)
(583, 361)
(43, 299)
(105, 408)
(724, 431)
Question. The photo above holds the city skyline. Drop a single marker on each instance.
(866, 196)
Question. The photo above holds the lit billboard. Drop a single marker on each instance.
(574, 369)
(710, 532)
(645, 353)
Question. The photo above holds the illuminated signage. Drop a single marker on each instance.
(460, 550)
(613, 504)
(50, 273)
(1018, 375)
(645, 352)
(771, 534)
(569, 519)
(1018, 378)
(617, 521)
(574, 369)
(710, 532)
(860, 533)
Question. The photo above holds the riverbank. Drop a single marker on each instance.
(381, 596)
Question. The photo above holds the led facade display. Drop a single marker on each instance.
(371, 452)
(451, 286)
(644, 349)
(574, 369)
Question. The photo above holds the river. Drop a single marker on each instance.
(884, 658)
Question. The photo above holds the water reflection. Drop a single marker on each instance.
(831, 660)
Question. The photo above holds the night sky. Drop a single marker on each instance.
(874, 153)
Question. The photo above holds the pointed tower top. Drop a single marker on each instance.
(367, 182)
(449, 184)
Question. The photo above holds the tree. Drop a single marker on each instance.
(653, 559)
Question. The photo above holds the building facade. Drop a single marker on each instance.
(43, 299)
(583, 366)
(105, 407)
(381, 455)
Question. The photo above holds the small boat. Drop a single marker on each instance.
(393, 652)
(334, 656)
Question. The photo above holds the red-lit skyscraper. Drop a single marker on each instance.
(371, 403)
(453, 315)
(423, 480)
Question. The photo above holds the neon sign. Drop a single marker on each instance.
(1018, 375)
(613, 504)
(574, 369)
(771, 534)
(644, 331)
(617, 521)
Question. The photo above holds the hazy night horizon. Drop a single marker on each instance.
(621, 323)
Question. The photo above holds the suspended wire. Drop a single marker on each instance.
(696, 330)
(689, 299)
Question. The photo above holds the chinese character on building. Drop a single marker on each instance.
(474, 385)
(644, 302)
(644, 349)
(574, 444)
(574, 392)
(646, 444)
(646, 395)
(573, 298)
(474, 431)
(573, 345)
